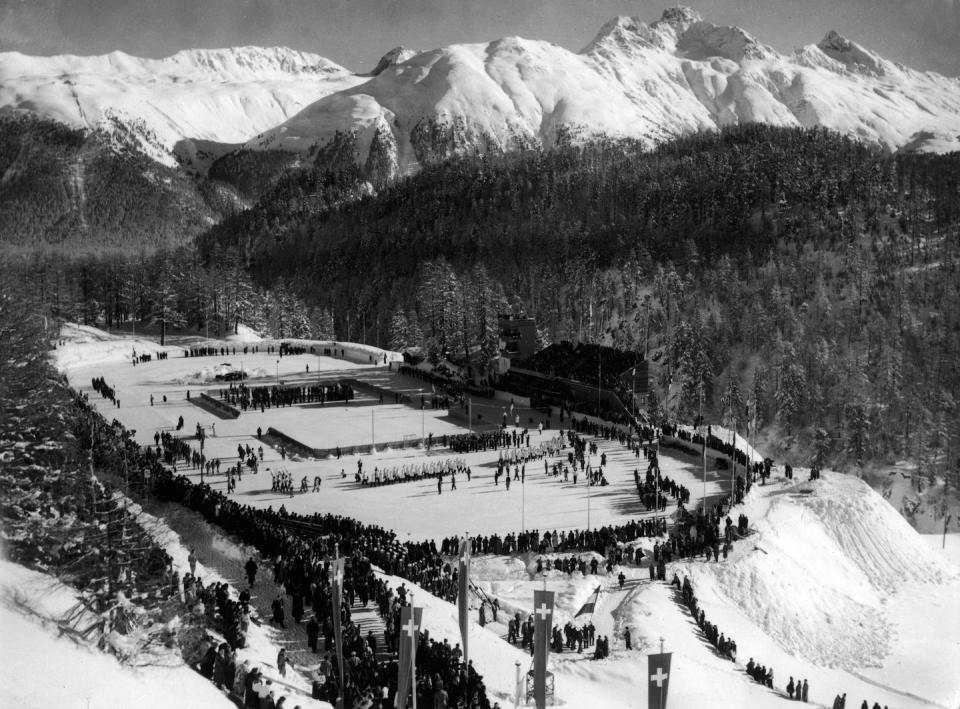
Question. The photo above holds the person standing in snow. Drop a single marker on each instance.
(804, 691)
(790, 687)
(251, 568)
(277, 607)
(313, 633)
(192, 560)
(626, 638)
(282, 662)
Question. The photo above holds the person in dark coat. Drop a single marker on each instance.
(278, 616)
(313, 633)
(297, 609)
(626, 637)
(804, 691)
(790, 687)
(251, 569)
(250, 698)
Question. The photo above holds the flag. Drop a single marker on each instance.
(410, 618)
(590, 605)
(463, 594)
(336, 601)
(542, 622)
(658, 671)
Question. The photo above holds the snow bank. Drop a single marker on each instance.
(84, 345)
(41, 668)
(827, 556)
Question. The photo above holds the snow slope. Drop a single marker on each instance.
(634, 80)
(221, 95)
(41, 668)
(837, 585)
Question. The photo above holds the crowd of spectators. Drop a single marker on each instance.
(265, 397)
(583, 362)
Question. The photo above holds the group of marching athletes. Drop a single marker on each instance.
(105, 390)
(525, 453)
(409, 472)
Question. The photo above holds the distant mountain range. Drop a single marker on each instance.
(635, 80)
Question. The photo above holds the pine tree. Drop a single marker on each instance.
(164, 306)
(399, 332)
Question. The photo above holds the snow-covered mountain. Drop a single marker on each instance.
(164, 105)
(635, 80)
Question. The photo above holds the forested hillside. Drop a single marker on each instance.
(80, 189)
(794, 268)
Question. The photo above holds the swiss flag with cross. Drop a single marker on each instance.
(542, 627)
(410, 620)
(337, 568)
(463, 596)
(658, 678)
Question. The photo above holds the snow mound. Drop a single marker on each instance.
(827, 557)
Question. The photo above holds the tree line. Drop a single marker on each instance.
(790, 277)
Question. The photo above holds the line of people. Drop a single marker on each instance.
(410, 472)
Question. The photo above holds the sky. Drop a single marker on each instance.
(924, 34)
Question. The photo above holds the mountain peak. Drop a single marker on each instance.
(397, 55)
(851, 55)
(680, 17)
(680, 31)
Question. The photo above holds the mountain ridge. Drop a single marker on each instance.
(634, 80)
(637, 80)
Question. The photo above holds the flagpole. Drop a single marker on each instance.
(733, 464)
(516, 689)
(704, 435)
(589, 493)
(413, 657)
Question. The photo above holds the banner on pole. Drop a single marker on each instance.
(336, 601)
(463, 596)
(542, 627)
(410, 619)
(658, 679)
